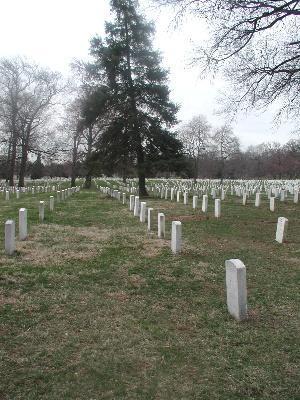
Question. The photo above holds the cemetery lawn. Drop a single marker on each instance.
(94, 307)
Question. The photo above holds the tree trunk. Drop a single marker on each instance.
(8, 161)
(88, 181)
(141, 173)
(12, 163)
(23, 164)
(74, 162)
(88, 178)
(135, 126)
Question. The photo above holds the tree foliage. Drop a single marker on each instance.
(141, 113)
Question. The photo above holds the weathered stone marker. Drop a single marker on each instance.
(124, 198)
(150, 211)
(217, 208)
(10, 243)
(176, 237)
(143, 212)
(22, 223)
(7, 195)
(236, 288)
(161, 226)
(51, 203)
(41, 211)
(281, 231)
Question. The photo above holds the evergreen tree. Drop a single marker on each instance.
(37, 171)
(141, 112)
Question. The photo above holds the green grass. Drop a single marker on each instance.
(94, 307)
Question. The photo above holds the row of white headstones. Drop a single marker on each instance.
(236, 286)
(10, 228)
(140, 210)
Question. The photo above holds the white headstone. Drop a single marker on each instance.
(176, 237)
(217, 208)
(172, 194)
(236, 288)
(22, 223)
(195, 201)
(51, 203)
(131, 202)
(257, 200)
(272, 203)
(136, 211)
(282, 225)
(143, 211)
(204, 203)
(10, 243)
(185, 198)
(150, 211)
(161, 225)
(41, 211)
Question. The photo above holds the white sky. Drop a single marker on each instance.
(54, 32)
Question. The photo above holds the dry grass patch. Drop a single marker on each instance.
(57, 244)
(184, 218)
(153, 247)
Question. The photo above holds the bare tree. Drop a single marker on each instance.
(225, 145)
(14, 81)
(256, 45)
(72, 129)
(26, 95)
(195, 136)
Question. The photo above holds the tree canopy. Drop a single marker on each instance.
(256, 45)
(141, 113)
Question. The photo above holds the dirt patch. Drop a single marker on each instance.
(187, 217)
(200, 271)
(293, 260)
(56, 244)
(119, 296)
(136, 280)
(153, 247)
(5, 300)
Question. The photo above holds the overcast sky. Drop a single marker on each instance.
(55, 32)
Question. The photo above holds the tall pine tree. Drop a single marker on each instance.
(141, 112)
